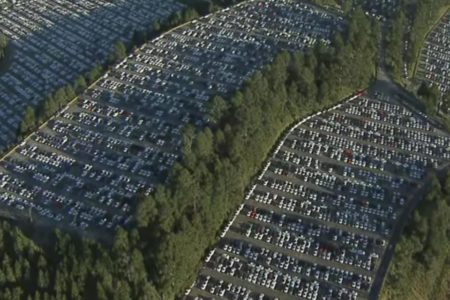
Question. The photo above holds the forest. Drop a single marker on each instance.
(420, 268)
(158, 258)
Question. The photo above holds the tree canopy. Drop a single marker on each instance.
(420, 268)
(429, 96)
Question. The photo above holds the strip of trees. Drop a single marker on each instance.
(3, 45)
(395, 45)
(35, 116)
(344, 5)
(420, 268)
(159, 257)
(182, 219)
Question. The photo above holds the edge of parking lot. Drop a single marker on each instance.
(281, 138)
(54, 116)
(156, 37)
(415, 199)
(383, 269)
(251, 185)
(102, 76)
(444, 11)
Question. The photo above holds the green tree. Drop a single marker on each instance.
(79, 85)
(429, 95)
(120, 52)
(216, 107)
(94, 74)
(3, 45)
(28, 121)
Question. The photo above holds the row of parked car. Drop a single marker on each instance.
(54, 42)
(434, 62)
(318, 220)
(123, 135)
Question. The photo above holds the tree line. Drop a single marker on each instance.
(33, 117)
(343, 5)
(160, 255)
(420, 268)
(3, 45)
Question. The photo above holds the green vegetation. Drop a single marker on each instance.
(429, 97)
(395, 47)
(3, 45)
(29, 121)
(118, 54)
(445, 107)
(410, 25)
(70, 269)
(421, 265)
(203, 7)
(343, 5)
(182, 219)
(56, 101)
(325, 2)
(174, 20)
(175, 225)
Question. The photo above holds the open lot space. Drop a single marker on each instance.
(318, 221)
(54, 42)
(84, 169)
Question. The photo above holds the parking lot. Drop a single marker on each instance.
(54, 42)
(84, 169)
(318, 220)
(434, 61)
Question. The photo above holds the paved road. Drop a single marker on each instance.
(386, 85)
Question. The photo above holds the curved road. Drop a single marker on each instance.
(385, 84)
